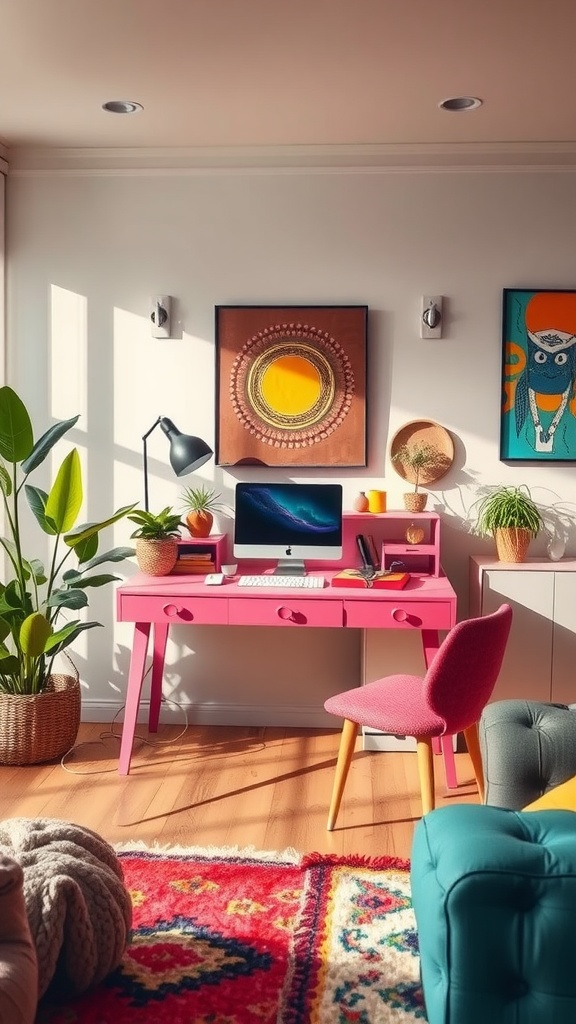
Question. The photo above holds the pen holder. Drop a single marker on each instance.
(376, 501)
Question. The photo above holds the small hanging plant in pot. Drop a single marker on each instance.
(199, 504)
(157, 539)
(512, 517)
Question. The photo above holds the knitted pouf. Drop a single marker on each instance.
(18, 968)
(78, 907)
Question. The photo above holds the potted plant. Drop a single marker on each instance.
(414, 458)
(157, 539)
(512, 517)
(40, 710)
(200, 503)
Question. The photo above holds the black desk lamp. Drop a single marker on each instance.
(186, 452)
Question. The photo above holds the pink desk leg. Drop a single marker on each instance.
(431, 643)
(158, 655)
(135, 679)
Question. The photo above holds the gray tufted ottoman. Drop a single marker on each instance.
(527, 747)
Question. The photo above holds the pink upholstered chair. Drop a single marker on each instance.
(448, 699)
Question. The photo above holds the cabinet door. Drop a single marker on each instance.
(564, 650)
(527, 667)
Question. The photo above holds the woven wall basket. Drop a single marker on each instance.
(37, 727)
(512, 544)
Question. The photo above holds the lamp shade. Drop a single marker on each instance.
(187, 452)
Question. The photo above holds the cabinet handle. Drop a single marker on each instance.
(399, 614)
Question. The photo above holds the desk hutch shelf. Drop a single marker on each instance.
(389, 532)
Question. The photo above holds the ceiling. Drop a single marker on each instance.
(324, 77)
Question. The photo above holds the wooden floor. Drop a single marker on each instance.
(262, 787)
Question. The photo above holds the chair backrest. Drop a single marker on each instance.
(461, 678)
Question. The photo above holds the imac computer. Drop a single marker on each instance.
(288, 522)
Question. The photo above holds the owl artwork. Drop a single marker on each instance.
(539, 414)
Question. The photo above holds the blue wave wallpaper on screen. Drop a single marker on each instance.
(288, 514)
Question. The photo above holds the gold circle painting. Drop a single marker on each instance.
(422, 433)
(291, 385)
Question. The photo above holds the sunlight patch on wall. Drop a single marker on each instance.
(68, 349)
(68, 355)
(139, 362)
(2, 282)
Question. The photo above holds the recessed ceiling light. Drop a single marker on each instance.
(122, 107)
(460, 103)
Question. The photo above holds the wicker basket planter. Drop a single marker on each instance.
(37, 727)
(512, 544)
(415, 501)
(156, 557)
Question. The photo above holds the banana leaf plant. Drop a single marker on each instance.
(35, 598)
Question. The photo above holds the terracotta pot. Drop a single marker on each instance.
(415, 501)
(512, 544)
(156, 557)
(199, 523)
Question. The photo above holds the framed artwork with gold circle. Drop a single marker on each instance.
(291, 385)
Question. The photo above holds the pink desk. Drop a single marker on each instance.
(427, 604)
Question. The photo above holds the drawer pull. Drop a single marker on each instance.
(284, 613)
(171, 609)
(399, 614)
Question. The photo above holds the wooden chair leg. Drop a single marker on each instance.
(345, 754)
(426, 772)
(473, 744)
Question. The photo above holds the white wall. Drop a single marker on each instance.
(87, 250)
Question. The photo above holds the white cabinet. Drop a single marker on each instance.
(540, 659)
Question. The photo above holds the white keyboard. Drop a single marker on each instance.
(283, 582)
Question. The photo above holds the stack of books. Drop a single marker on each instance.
(196, 562)
(380, 579)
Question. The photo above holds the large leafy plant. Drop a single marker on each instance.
(32, 601)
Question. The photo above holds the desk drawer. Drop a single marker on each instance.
(284, 611)
(398, 614)
(201, 610)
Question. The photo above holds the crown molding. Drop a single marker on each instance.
(497, 156)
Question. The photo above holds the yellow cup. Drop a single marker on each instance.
(376, 501)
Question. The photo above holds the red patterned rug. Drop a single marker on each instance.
(239, 937)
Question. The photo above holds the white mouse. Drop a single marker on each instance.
(214, 578)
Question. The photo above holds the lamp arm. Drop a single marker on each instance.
(153, 427)
(145, 460)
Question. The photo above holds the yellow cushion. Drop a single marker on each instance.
(562, 798)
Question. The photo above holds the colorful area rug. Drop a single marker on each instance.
(240, 937)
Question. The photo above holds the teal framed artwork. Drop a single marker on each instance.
(538, 418)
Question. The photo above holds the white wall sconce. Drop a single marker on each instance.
(431, 316)
(160, 316)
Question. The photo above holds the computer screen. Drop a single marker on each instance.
(288, 522)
